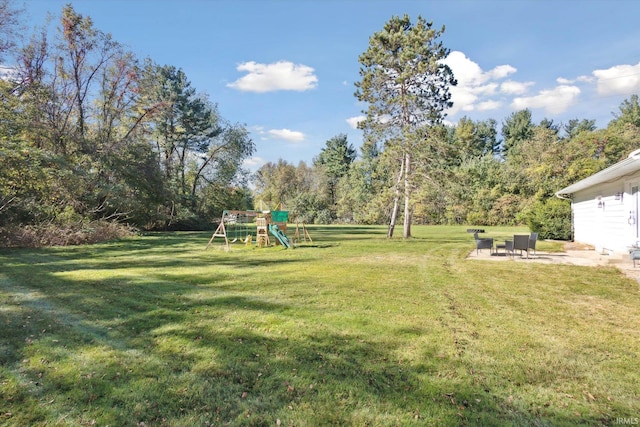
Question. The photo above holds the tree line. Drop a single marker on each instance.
(475, 172)
(468, 173)
(91, 135)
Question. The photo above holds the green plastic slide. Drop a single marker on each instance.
(279, 234)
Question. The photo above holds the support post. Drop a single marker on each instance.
(221, 231)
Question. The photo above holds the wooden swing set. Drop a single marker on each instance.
(231, 217)
(263, 218)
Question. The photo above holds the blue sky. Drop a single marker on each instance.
(286, 69)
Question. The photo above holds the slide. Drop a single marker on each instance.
(282, 238)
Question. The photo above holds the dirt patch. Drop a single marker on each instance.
(575, 246)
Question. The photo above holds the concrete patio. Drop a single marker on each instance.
(571, 255)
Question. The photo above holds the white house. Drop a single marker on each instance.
(605, 206)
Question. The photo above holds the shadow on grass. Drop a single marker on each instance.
(157, 366)
(168, 348)
(346, 232)
(316, 245)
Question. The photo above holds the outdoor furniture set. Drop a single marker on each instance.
(634, 253)
(520, 242)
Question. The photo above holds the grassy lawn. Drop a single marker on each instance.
(352, 329)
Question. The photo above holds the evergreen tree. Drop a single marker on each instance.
(406, 87)
(516, 128)
(335, 159)
(575, 126)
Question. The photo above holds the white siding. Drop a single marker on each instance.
(601, 220)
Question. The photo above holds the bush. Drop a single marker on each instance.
(323, 217)
(35, 236)
(505, 210)
(551, 219)
(476, 217)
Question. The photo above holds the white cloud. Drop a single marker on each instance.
(554, 101)
(501, 71)
(469, 73)
(618, 80)
(463, 99)
(488, 105)
(353, 121)
(465, 70)
(260, 131)
(287, 135)
(283, 134)
(7, 73)
(253, 162)
(281, 75)
(579, 79)
(515, 88)
(475, 84)
(488, 89)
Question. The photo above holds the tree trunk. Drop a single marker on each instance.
(407, 196)
(396, 202)
(394, 214)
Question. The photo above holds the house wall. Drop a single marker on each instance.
(604, 222)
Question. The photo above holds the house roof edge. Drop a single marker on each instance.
(628, 166)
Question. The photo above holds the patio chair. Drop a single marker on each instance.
(508, 247)
(521, 243)
(533, 238)
(483, 243)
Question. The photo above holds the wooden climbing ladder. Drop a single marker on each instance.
(262, 235)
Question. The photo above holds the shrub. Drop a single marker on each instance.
(477, 217)
(35, 236)
(505, 210)
(323, 217)
(551, 218)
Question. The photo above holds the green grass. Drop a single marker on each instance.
(352, 329)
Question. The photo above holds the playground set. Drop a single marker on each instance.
(235, 224)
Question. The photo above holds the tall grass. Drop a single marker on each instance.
(352, 329)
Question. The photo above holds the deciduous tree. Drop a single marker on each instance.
(195, 146)
(10, 26)
(475, 138)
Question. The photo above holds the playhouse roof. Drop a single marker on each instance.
(628, 166)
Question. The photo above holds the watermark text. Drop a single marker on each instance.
(631, 421)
